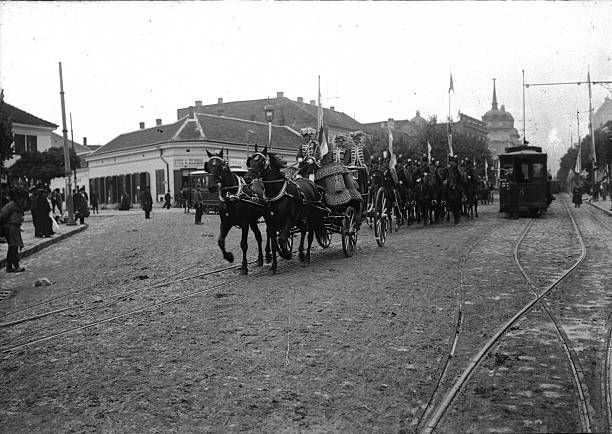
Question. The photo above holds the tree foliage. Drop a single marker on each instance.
(415, 147)
(603, 148)
(35, 167)
(6, 135)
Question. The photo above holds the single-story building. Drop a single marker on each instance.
(161, 157)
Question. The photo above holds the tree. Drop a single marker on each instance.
(6, 135)
(35, 167)
(602, 148)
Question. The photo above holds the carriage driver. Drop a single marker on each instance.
(309, 154)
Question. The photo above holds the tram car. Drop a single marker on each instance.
(203, 179)
(527, 166)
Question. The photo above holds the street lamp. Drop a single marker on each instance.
(269, 113)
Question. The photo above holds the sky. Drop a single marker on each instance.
(130, 62)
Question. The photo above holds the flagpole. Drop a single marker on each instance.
(524, 137)
(591, 128)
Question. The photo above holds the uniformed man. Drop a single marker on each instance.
(339, 152)
(357, 155)
(309, 154)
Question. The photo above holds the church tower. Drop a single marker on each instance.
(500, 127)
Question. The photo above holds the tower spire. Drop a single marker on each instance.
(494, 104)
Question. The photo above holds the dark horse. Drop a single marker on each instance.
(291, 204)
(454, 192)
(240, 206)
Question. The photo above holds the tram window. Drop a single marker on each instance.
(538, 170)
(523, 174)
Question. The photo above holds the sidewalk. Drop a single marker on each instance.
(602, 206)
(116, 212)
(33, 244)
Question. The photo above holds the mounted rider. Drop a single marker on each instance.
(309, 154)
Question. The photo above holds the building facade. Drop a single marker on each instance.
(603, 114)
(500, 128)
(163, 156)
(30, 133)
(287, 113)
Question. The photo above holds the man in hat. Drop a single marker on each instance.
(147, 202)
(339, 153)
(309, 154)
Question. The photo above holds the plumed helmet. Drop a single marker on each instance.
(358, 136)
(308, 131)
(340, 139)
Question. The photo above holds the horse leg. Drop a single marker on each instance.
(244, 245)
(257, 234)
(310, 238)
(223, 230)
(301, 254)
(274, 244)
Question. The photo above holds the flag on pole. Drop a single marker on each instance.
(486, 171)
(323, 141)
(450, 139)
(392, 159)
(451, 87)
(428, 152)
(323, 146)
(578, 165)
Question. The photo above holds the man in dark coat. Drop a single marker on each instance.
(94, 202)
(11, 218)
(167, 199)
(147, 202)
(81, 208)
(40, 209)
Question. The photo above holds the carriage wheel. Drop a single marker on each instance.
(380, 217)
(349, 231)
(324, 236)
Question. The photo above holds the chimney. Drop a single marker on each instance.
(313, 102)
(142, 125)
(332, 108)
(84, 141)
(279, 94)
(219, 100)
(198, 103)
(300, 100)
(158, 121)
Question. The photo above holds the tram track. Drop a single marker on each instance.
(606, 374)
(8, 348)
(458, 328)
(434, 416)
(88, 288)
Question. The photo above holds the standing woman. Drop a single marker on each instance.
(147, 202)
(11, 218)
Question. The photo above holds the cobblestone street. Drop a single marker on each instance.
(346, 344)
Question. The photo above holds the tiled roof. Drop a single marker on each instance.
(236, 130)
(215, 128)
(286, 112)
(21, 117)
(147, 136)
(57, 141)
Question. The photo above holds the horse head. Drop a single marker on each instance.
(216, 166)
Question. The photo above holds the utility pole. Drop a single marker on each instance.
(76, 187)
(590, 83)
(67, 171)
